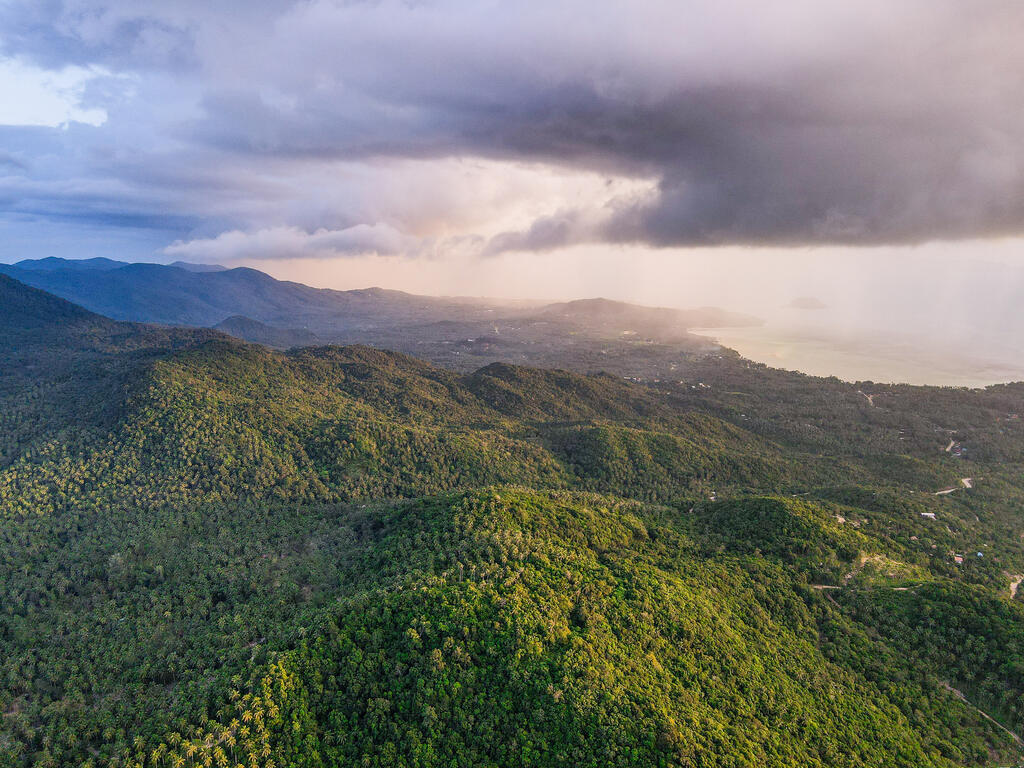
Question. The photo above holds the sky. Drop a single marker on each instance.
(869, 154)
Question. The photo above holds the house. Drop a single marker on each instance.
(929, 515)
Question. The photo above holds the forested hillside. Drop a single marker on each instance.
(215, 554)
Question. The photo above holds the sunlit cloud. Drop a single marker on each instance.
(291, 242)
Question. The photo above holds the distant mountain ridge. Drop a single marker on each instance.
(192, 267)
(176, 295)
(54, 263)
(210, 296)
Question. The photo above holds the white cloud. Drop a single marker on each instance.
(33, 96)
(292, 242)
(426, 208)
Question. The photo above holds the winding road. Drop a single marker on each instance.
(983, 713)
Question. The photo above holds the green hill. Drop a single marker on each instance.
(25, 308)
(511, 627)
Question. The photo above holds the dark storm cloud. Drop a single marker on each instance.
(859, 123)
(778, 166)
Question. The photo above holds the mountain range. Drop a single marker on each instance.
(460, 332)
(206, 295)
(218, 553)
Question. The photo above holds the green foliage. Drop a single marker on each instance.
(799, 534)
(974, 639)
(516, 628)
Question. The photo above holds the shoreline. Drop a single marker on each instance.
(853, 360)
